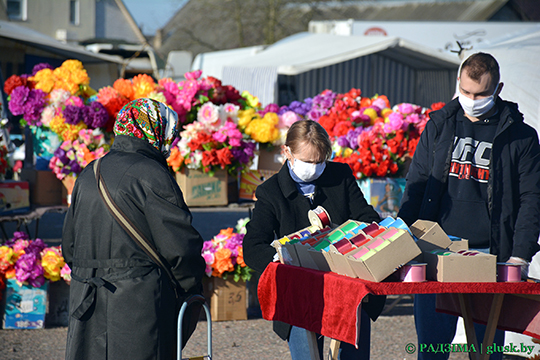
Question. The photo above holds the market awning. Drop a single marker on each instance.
(41, 41)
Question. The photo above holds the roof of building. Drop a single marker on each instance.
(211, 25)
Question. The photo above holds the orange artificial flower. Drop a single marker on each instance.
(223, 262)
(240, 257)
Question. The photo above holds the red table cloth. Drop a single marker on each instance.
(329, 304)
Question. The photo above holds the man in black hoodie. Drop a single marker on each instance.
(476, 171)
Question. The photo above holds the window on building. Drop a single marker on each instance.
(74, 12)
(16, 9)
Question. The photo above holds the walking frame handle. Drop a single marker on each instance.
(193, 299)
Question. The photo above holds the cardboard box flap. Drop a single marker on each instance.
(430, 235)
(319, 259)
(305, 259)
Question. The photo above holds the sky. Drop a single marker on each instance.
(152, 15)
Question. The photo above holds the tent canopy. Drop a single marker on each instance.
(385, 60)
(319, 50)
(518, 61)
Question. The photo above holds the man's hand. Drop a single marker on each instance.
(524, 266)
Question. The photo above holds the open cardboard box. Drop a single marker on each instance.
(462, 266)
(379, 266)
(430, 235)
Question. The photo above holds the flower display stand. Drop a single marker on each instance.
(24, 306)
(227, 299)
(201, 189)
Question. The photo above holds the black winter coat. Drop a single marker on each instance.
(281, 210)
(122, 305)
(513, 185)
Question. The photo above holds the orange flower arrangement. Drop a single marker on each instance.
(224, 256)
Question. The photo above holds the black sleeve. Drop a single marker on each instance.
(258, 252)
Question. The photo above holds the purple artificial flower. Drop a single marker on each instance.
(29, 103)
(207, 245)
(35, 247)
(97, 115)
(342, 141)
(284, 109)
(28, 269)
(352, 137)
(314, 114)
(20, 235)
(72, 114)
(41, 66)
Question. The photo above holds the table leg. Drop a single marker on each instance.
(334, 349)
(466, 312)
(493, 319)
(312, 345)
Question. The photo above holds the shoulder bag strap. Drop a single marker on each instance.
(130, 228)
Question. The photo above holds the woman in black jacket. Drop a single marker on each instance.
(122, 305)
(305, 181)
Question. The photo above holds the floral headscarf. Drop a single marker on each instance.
(149, 120)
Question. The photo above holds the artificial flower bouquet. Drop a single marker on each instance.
(73, 156)
(213, 142)
(224, 256)
(31, 262)
(373, 138)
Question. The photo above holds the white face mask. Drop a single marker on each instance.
(477, 108)
(308, 172)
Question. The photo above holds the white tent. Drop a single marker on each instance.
(305, 65)
(518, 59)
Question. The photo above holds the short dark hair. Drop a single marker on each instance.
(480, 63)
(311, 132)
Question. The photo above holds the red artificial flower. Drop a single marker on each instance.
(328, 123)
(224, 157)
(209, 158)
(15, 81)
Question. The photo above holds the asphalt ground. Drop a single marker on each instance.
(238, 340)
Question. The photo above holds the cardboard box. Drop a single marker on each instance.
(270, 158)
(14, 197)
(380, 265)
(383, 194)
(25, 306)
(383, 264)
(200, 189)
(457, 245)
(45, 188)
(430, 235)
(227, 299)
(250, 180)
(461, 266)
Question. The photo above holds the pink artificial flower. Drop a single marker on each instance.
(193, 75)
(287, 119)
(65, 273)
(75, 101)
(395, 122)
(379, 102)
(405, 108)
(208, 115)
(413, 118)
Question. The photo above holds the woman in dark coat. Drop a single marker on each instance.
(122, 305)
(306, 181)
